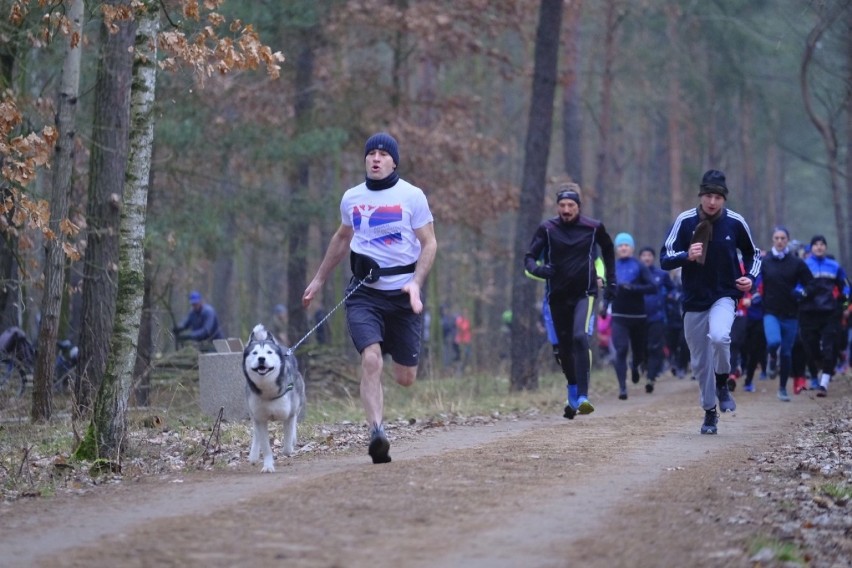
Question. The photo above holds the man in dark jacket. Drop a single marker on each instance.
(566, 245)
(820, 312)
(201, 323)
(706, 243)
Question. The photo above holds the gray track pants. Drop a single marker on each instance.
(708, 335)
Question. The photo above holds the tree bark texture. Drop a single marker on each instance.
(55, 265)
(297, 266)
(525, 309)
(109, 422)
(604, 155)
(825, 126)
(106, 184)
(572, 122)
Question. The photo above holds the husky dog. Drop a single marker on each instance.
(275, 390)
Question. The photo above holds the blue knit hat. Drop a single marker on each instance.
(624, 239)
(383, 141)
(194, 297)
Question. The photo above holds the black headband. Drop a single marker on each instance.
(568, 194)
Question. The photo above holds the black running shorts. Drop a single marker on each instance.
(384, 317)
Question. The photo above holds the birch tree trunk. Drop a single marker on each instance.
(109, 421)
(106, 184)
(54, 272)
(525, 309)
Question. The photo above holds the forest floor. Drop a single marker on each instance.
(633, 484)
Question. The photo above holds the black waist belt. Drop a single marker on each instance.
(366, 269)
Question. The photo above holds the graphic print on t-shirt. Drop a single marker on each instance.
(378, 224)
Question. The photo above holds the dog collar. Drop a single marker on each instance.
(287, 389)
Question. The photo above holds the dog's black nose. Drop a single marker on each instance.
(261, 360)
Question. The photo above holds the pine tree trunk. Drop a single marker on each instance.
(109, 422)
(604, 157)
(525, 339)
(572, 122)
(55, 265)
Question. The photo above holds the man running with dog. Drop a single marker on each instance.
(387, 229)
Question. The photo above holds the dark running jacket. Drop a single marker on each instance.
(782, 277)
(828, 275)
(570, 249)
(634, 281)
(703, 284)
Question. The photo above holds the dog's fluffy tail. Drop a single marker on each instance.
(259, 333)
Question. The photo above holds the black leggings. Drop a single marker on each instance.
(573, 320)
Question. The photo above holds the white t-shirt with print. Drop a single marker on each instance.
(384, 222)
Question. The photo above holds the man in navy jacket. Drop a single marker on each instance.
(706, 242)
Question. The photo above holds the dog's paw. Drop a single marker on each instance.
(268, 467)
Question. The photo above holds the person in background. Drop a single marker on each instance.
(628, 312)
(387, 230)
(462, 340)
(706, 242)
(655, 312)
(754, 342)
(562, 252)
(785, 280)
(675, 340)
(18, 354)
(820, 314)
(201, 323)
(279, 324)
(323, 331)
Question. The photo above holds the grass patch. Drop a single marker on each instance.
(783, 552)
(837, 491)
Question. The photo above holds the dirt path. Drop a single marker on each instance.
(632, 484)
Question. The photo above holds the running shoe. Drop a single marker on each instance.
(732, 383)
(585, 406)
(748, 388)
(782, 395)
(799, 384)
(649, 387)
(726, 401)
(379, 448)
(569, 411)
(822, 392)
(711, 419)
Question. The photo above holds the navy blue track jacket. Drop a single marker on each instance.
(703, 284)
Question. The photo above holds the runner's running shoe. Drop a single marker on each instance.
(379, 448)
(711, 419)
(726, 401)
(585, 406)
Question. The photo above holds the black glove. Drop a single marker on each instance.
(556, 355)
(545, 271)
(610, 292)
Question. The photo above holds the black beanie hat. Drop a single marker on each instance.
(383, 141)
(819, 239)
(713, 182)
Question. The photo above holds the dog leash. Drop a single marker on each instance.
(328, 315)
